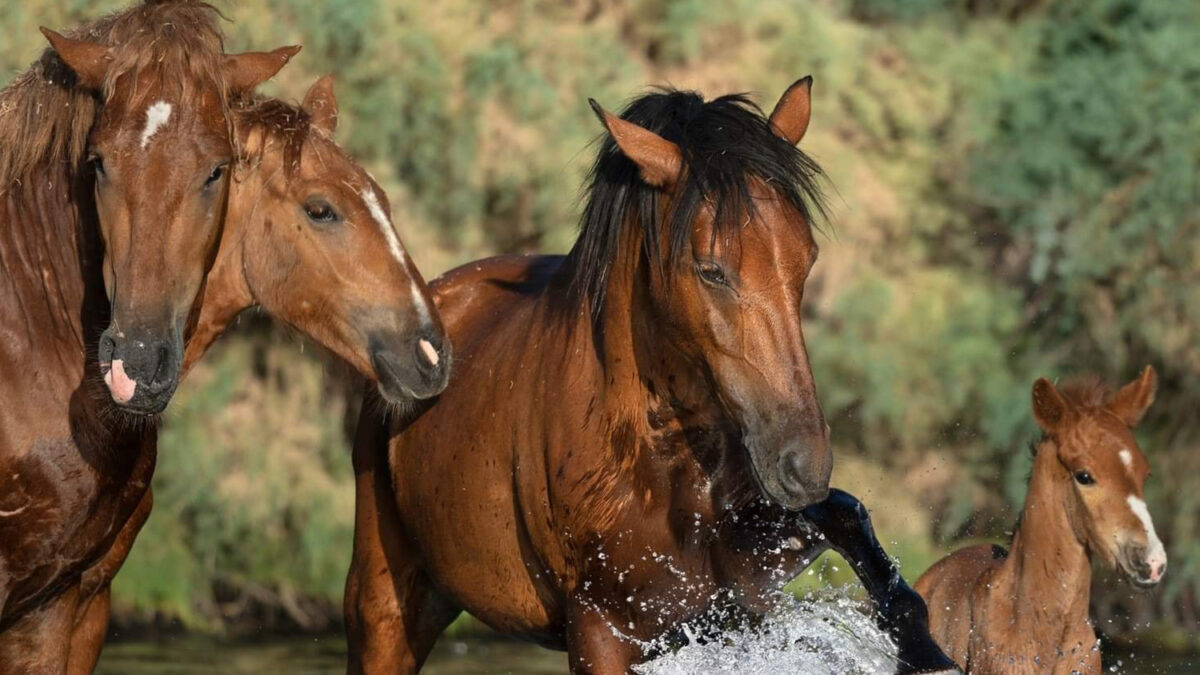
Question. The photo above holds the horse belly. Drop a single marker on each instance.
(459, 510)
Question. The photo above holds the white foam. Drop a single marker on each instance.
(823, 633)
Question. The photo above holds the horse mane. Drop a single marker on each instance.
(1086, 391)
(727, 144)
(289, 124)
(45, 118)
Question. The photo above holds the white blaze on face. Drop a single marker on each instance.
(1127, 459)
(1156, 555)
(156, 116)
(393, 240)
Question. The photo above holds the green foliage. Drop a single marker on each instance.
(252, 490)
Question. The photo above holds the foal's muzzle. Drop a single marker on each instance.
(418, 367)
(140, 369)
(1144, 570)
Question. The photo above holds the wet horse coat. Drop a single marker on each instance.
(76, 467)
(96, 273)
(629, 427)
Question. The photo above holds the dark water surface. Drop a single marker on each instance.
(471, 656)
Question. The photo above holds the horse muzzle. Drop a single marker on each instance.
(141, 370)
(794, 476)
(1144, 568)
(418, 368)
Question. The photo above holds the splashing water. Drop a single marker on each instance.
(825, 632)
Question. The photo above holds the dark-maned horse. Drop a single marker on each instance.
(308, 236)
(1026, 610)
(632, 430)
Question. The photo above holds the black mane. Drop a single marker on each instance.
(726, 143)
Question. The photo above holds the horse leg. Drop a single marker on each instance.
(900, 610)
(594, 647)
(95, 594)
(393, 615)
(37, 642)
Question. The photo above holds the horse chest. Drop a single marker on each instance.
(61, 506)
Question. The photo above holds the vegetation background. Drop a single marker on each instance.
(1015, 189)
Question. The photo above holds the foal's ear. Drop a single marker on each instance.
(244, 72)
(89, 60)
(1049, 406)
(658, 160)
(321, 105)
(1130, 403)
(789, 119)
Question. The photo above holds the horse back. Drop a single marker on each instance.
(485, 288)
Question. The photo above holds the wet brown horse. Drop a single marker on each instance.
(115, 149)
(1026, 610)
(632, 430)
(308, 237)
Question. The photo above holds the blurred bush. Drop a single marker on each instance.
(1016, 189)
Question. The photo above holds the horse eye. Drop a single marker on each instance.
(319, 211)
(216, 174)
(1084, 478)
(712, 273)
(97, 163)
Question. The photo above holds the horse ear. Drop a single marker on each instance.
(1131, 402)
(89, 60)
(1049, 405)
(789, 119)
(658, 160)
(244, 72)
(321, 105)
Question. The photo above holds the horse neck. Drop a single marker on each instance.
(1048, 564)
(226, 291)
(51, 255)
(627, 333)
(649, 387)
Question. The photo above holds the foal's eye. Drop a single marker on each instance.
(1084, 478)
(97, 163)
(319, 211)
(712, 273)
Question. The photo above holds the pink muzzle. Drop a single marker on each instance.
(119, 384)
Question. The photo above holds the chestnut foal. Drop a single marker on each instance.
(1027, 610)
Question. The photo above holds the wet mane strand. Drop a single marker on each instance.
(277, 120)
(727, 144)
(45, 118)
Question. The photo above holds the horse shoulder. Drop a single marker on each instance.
(951, 589)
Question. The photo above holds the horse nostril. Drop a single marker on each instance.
(164, 358)
(791, 472)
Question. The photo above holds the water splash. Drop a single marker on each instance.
(825, 632)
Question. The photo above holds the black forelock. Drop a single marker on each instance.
(726, 143)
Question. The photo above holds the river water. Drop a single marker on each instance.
(815, 636)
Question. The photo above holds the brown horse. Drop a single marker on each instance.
(146, 94)
(113, 149)
(308, 238)
(629, 429)
(1027, 610)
